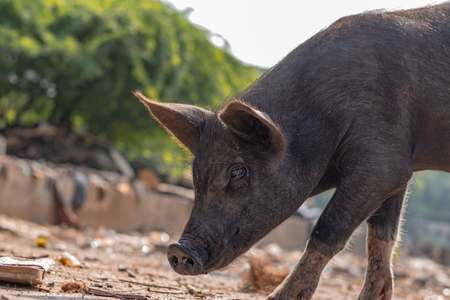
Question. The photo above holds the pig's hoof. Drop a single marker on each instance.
(183, 261)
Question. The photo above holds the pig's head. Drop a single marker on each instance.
(238, 157)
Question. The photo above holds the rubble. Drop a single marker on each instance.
(62, 146)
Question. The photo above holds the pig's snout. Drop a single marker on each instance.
(183, 261)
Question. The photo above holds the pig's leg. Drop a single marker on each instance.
(383, 228)
(357, 197)
(304, 279)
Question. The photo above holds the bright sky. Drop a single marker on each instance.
(263, 32)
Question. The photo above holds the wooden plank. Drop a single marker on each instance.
(24, 272)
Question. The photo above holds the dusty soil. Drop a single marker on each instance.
(134, 266)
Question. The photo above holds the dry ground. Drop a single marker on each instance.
(135, 265)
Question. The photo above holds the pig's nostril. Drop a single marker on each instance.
(190, 262)
(174, 261)
(183, 260)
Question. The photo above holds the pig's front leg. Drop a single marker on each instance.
(303, 280)
(383, 227)
(354, 201)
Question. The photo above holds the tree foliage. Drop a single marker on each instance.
(75, 63)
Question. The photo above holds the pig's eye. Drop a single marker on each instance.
(238, 172)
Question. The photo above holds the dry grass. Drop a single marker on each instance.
(262, 275)
(74, 287)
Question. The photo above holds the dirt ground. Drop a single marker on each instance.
(134, 266)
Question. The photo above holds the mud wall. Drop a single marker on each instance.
(27, 191)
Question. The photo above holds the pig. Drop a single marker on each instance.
(358, 107)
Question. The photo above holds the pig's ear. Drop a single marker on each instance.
(183, 121)
(254, 126)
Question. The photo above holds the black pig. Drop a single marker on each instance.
(358, 107)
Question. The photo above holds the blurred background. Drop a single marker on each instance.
(68, 69)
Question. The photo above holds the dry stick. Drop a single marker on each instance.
(118, 292)
(166, 292)
(32, 256)
(40, 288)
(151, 285)
(133, 297)
(132, 290)
(97, 292)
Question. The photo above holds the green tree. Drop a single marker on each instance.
(75, 64)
